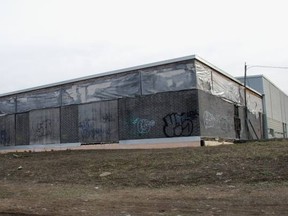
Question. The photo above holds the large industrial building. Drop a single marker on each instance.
(184, 97)
(275, 106)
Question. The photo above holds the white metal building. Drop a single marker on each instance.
(275, 106)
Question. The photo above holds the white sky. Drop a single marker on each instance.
(47, 41)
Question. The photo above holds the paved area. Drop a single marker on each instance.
(78, 146)
(131, 145)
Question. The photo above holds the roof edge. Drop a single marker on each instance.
(129, 69)
(101, 74)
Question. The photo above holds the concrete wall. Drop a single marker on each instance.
(172, 114)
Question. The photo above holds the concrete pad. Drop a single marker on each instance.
(78, 146)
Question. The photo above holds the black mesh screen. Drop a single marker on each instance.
(171, 114)
(7, 130)
(69, 124)
(22, 129)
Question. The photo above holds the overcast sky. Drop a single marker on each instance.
(46, 41)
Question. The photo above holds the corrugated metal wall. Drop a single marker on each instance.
(277, 110)
(98, 122)
(44, 126)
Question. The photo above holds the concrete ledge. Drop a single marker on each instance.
(161, 140)
(39, 147)
(175, 142)
(217, 143)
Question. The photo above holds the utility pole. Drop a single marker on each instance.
(245, 101)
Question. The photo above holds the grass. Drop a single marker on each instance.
(71, 177)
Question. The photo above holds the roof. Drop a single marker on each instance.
(185, 58)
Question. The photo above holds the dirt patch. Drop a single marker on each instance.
(242, 179)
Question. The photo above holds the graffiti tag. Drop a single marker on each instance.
(143, 125)
(219, 121)
(176, 124)
(87, 130)
(107, 118)
(43, 129)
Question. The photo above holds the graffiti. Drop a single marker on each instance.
(216, 121)
(209, 120)
(43, 129)
(108, 118)
(179, 124)
(224, 124)
(143, 125)
(4, 137)
(88, 130)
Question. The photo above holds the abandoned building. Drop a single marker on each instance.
(183, 97)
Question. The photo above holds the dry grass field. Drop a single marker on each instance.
(239, 179)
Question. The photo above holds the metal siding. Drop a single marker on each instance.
(255, 83)
(267, 95)
(276, 103)
(283, 108)
(98, 122)
(44, 126)
(277, 128)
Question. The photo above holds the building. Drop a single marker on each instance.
(275, 106)
(184, 97)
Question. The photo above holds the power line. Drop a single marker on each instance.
(263, 66)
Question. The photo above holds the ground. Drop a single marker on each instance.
(238, 179)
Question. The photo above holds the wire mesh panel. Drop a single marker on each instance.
(7, 130)
(69, 124)
(171, 114)
(22, 129)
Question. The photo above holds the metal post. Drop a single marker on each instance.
(245, 80)
(245, 101)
